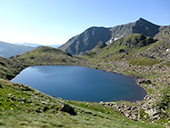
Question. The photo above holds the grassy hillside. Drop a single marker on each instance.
(22, 106)
(136, 49)
(10, 68)
(48, 56)
(132, 44)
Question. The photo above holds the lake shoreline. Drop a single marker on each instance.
(148, 99)
(83, 81)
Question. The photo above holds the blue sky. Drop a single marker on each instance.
(56, 21)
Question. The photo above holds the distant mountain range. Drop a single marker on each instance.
(37, 45)
(7, 49)
(28, 44)
(87, 40)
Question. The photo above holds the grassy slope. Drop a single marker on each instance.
(40, 110)
(10, 68)
(132, 62)
(15, 113)
(48, 56)
(131, 46)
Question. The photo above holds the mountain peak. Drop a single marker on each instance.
(142, 20)
(145, 22)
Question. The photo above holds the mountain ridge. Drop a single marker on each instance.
(88, 39)
(7, 49)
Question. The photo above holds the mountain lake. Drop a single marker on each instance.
(81, 83)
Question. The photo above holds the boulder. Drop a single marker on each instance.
(121, 50)
(67, 108)
(145, 82)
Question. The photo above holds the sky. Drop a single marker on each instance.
(56, 21)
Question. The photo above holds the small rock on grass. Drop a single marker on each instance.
(67, 108)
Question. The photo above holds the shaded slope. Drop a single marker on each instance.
(161, 49)
(146, 28)
(86, 40)
(141, 26)
(91, 53)
(100, 45)
(7, 50)
(10, 68)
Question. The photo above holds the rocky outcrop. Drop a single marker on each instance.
(154, 111)
(67, 108)
(148, 108)
(132, 112)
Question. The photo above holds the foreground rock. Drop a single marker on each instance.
(67, 108)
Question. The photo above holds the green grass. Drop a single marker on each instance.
(14, 113)
(142, 61)
(10, 68)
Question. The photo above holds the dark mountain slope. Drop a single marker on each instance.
(146, 28)
(7, 50)
(141, 26)
(98, 47)
(161, 49)
(88, 39)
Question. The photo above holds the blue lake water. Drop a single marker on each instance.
(81, 83)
